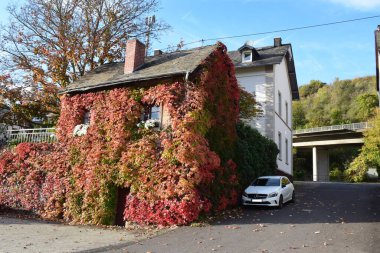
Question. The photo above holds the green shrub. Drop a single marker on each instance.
(255, 154)
(357, 172)
(336, 175)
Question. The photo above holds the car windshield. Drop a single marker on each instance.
(266, 182)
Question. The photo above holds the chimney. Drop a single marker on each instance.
(134, 55)
(157, 52)
(277, 42)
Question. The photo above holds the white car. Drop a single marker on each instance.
(269, 191)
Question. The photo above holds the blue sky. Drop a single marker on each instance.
(339, 51)
(325, 53)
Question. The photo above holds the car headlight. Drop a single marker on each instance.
(245, 194)
(273, 194)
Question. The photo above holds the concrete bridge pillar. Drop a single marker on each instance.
(321, 164)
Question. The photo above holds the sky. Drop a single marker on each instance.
(341, 51)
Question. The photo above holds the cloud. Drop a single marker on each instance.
(357, 4)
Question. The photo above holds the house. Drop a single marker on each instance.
(269, 73)
(153, 136)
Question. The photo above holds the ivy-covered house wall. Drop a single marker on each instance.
(166, 175)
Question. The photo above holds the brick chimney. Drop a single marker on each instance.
(134, 55)
(277, 42)
(157, 52)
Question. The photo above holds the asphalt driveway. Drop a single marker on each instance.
(327, 217)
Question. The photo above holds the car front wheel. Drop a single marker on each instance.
(293, 197)
(280, 202)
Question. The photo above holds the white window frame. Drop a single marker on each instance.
(279, 146)
(147, 115)
(243, 56)
(286, 112)
(286, 151)
(279, 96)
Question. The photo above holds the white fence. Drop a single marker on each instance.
(352, 127)
(31, 135)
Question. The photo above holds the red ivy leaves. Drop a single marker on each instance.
(173, 175)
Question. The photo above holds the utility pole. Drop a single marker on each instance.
(149, 22)
(377, 52)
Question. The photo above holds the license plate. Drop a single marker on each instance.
(257, 200)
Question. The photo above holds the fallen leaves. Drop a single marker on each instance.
(232, 227)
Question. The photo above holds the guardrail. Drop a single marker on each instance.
(353, 127)
(31, 135)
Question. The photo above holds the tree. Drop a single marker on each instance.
(342, 102)
(369, 154)
(299, 120)
(366, 105)
(48, 44)
(248, 106)
(311, 88)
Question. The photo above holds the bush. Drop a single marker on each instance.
(357, 172)
(256, 155)
(336, 175)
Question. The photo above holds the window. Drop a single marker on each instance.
(247, 56)
(151, 116)
(87, 118)
(279, 103)
(286, 113)
(151, 112)
(286, 151)
(155, 113)
(279, 146)
(266, 182)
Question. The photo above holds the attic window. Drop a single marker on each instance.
(247, 56)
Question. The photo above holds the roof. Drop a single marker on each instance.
(155, 67)
(269, 56)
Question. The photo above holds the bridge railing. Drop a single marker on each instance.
(352, 126)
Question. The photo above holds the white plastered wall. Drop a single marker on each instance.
(260, 82)
(281, 124)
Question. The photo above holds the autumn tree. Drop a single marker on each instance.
(48, 44)
(341, 102)
(369, 154)
(249, 108)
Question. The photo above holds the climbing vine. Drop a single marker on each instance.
(173, 175)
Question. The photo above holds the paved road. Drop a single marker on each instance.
(327, 217)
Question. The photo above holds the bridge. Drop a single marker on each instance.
(321, 139)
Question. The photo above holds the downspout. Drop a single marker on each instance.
(186, 82)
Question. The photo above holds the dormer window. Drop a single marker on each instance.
(247, 56)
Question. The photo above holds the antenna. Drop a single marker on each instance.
(149, 22)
